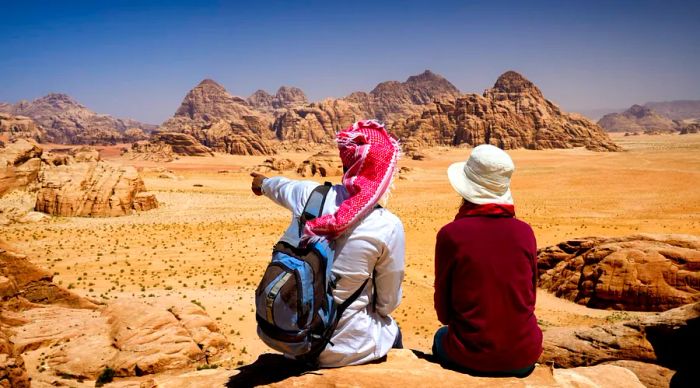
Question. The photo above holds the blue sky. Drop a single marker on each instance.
(138, 59)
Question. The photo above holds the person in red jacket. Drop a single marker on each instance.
(486, 274)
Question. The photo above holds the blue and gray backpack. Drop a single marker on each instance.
(295, 309)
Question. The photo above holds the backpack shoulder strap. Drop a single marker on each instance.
(314, 205)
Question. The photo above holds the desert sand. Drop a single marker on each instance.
(210, 239)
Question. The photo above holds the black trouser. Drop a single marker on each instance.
(398, 342)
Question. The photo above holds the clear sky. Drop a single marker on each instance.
(138, 58)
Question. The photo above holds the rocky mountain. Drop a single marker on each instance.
(512, 114)
(637, 119)
(676, 110)
(286, 97)
(424, 110)
(221, 121)
(388, 101)
(68, 122)
(392, 100)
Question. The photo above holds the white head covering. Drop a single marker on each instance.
(484, 177)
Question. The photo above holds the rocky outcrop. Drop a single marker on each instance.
(512, 114)
(149, 150)
(89, 189)
(21, 127)
(690, 128)
(286, 97)
(77, 339)
(404, 368)
(68, 122)
(182, 144)
(322, 164)
(20, 164)
(13, 373)
(637, 119)
(640, 272)
(19, 278)
(274, 165)
(166, 146)
(666, 342)
(221, 121)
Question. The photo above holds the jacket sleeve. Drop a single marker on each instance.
(444, 254)
(288, 193)
(389, 273)
(533, 261)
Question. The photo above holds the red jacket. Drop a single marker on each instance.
(485, 287)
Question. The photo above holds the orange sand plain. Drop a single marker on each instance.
(210, 244)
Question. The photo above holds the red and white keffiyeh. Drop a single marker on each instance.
(370, 156)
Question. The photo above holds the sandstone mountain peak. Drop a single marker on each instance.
(210, 82)
(285, 97)
(221, 121)
(512, 114)
(209, 100)
(513, 82)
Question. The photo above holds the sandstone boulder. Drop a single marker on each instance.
(148, 150)
(323, 164)
(70, 337)
(22, 279)
(20, 164)
(13, 373)
(91, 189)
(21, 127)
(669, 340)
(404, 368)
(640, 272)
(274, 165)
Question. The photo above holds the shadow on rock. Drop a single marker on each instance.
(267, 369)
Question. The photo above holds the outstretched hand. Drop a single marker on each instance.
(256, 186)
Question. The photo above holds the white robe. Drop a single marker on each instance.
(374, 247)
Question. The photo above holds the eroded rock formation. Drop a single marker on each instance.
(92, 189)
(20, 164)
(286, 97)
(404, 368)
(640, 272)
(512, 114)
(17, 127)
(74, 338)
(221, 121)
(653, 346)
(322, 164)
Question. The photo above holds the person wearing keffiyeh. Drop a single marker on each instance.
(368, 239)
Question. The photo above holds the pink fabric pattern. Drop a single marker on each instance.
(370, 156)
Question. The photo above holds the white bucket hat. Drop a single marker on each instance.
(484, 177)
